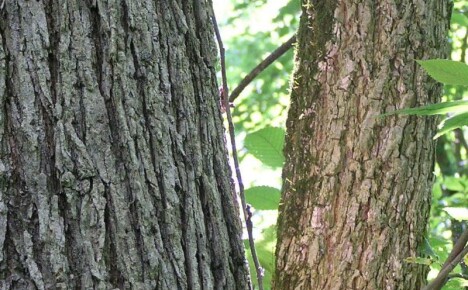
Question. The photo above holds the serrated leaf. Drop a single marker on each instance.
(446, 71)
(266, 145)
(263, 197)
(434, 109)
(452, 123)
(458, 213)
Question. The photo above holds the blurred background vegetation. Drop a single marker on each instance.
(251, 30)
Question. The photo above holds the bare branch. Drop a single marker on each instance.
(456, 255)
(261, 67)
(225, 99)
(457, 275)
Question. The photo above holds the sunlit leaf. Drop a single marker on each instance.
(263, 197)
(459, 110)
(458, 213)
(453, 123)
(436, 191)
(434, 109)
(454, 184)
(459, 19)
(266, 145)
(459, 199)
(439, 242)
(454, 284)
(446, 71)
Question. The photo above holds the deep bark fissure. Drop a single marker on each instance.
(111, 253)
(110, 137)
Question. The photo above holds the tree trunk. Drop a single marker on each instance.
(357, 188)
(114, 171)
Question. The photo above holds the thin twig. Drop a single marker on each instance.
(225, 99)
(456, 255)
(441, 278)
(260, 67)
(457, 275)
(457, 248)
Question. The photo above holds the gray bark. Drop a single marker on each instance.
(113, 167)
(357, 188)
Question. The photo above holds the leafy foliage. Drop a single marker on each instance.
(452, 123)
(452, 189)
(450, 72)
(434, 109)
(252, 29)
(460, 19)
(263, 197)
(267, 145)
(458, 117)
(449, 207)
(458, 213)
(446, 71)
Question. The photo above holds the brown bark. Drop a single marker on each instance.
(113, 165)
(356, 194)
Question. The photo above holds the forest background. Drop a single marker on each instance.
(251, 31)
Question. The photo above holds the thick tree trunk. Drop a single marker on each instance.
(357, 187)
(113, 165)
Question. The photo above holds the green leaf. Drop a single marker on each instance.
(458, 120)
(266, 145)
(458, 213)
(427, 251)
(454, 184)
(263, 197)
(434, 109)
(459, 19)
(452, 123)
(438, 242)
(446, 71)
(436, 191)
(454, 284)
(459, 199)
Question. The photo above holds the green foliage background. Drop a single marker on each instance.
(253, 29)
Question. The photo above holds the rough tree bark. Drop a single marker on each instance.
(356, 194)
(113, 165)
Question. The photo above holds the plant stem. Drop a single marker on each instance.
(232, 137)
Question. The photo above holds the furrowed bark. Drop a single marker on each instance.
(357, 187)
(113, 165)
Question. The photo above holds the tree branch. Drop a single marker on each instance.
(456, 255)
(457, 275)
(261, 67)
(246, 211)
